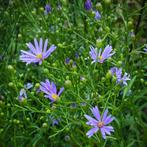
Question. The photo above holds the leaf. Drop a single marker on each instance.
(128, 87)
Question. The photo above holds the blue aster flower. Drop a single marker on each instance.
(99, 123)
(48, 8)
(118, 73)
(97, 15)
(37, 52)
(145, 50)
(101, 56)
(23, 93)
(50, 90)
(88, 5)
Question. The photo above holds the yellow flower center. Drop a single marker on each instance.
(100, 124)
(100, 57)
(55, 96)
(39, 56)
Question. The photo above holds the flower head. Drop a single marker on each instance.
(50, 90)
(88, 5)
(145, 50)
(67, 60)
(97, 15)
(28, 85)
(22, 93)
(37, 52)
(100, 123)
(48, 8)
(101, 57)
(118, 72)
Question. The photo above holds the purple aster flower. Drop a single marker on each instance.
(101, 57)
(100, 123)
(48, 8)
(37, 53)
(28, 86)
(77, 55)
(22, 94)
(49, 88)
(88, 5)
(67, 60)
(74, 64)
(145, 49)
(118, 72)
(97, 15)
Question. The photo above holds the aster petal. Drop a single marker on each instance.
(96, 113)
(45, 45)
(113, 70)
(106, 52)
(103, 133)
(108, 129)
(92, 131)
(53, 87)
(37, 46)
(100, 51)
(60, 91)
(50, 97)
(31, 47)
(91, 120)
(45, 90)
(50, 50)
(40, 44)
(28, 53)
(105, 115)
(108, 119)
(93, 53)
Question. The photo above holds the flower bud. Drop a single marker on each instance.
(108, 75)
(68, 83)
(37, 85)
(107, 2)
(19, 36)
(44, 125)
(10, 68)
(45, 71)
(103, 79)
(27, 119)
(99, 43)
(99, 6)
(11, 84)
(142, 80)
(2, 114)
(119, 63)
(41, 9)
(48, 110)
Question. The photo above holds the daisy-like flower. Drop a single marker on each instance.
(23, 93)
(50, 90)
(100, 123)
(88, 5)
(118, 72)
(120, 78)
(101, 57)
(48, 8)
(37, 52)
